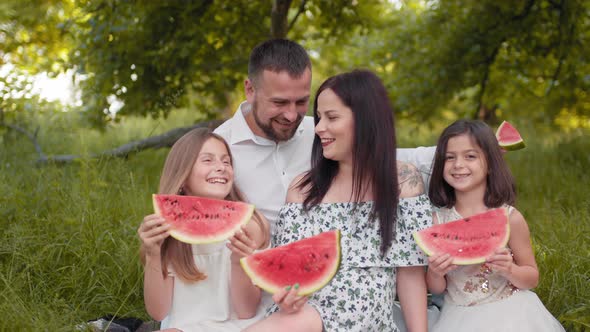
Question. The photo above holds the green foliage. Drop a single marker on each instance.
(512, 52)
(157, 56)
(68, 245)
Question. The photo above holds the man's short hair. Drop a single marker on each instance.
(278, 55)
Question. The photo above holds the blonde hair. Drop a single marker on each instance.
(176, 171)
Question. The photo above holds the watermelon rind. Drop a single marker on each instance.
(507, 144)
(428, 250)
(272, 288)
(210, 238)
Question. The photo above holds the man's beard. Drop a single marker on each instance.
(270, 132)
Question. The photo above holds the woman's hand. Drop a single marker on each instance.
(288, 300)
(241, 245)
(152, 233)
(440, 265)
(501, 261)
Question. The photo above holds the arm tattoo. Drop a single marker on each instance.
(409, 177)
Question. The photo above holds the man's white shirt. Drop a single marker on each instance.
(263, 169)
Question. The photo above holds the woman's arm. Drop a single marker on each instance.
(245, 296)
(411, 290)
(157, 289)
(519, 267)
(411, 280)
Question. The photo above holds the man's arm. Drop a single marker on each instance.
(422, 157)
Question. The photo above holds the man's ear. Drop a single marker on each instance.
(249, 90)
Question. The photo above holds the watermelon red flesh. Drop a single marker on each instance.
(200, 220)
(469, 240)
(508, 137)
(311, 263)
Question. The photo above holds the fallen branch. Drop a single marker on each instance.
(32, 137)
(155, 142)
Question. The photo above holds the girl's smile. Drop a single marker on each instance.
(212, 174)
(465, 165)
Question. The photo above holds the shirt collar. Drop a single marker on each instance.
(241, 131)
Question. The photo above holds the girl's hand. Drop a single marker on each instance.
(241, 245)
(152, 232)
(501, 261)
(288, 300)
(440, 265)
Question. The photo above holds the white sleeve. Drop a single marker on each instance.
(422, 157)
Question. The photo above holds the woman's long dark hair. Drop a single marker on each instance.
(500, 186)
(374, 157)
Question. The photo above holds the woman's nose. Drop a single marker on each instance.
(319, 127)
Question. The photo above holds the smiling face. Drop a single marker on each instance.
(279, 103)
(465, 164)
(212, 174)
(335, 127)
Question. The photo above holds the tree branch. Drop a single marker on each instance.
(155, 142)
(32, 137)
(485, 79)
(564, 41)
(299, 12)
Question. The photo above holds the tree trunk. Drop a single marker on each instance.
(488, 114)
(279, 24)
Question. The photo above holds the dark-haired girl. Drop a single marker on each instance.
(355, 185)
(469, 177)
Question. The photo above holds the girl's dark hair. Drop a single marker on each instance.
(500, 186)
(374, 158)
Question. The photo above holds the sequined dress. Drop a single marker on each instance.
(478, 299)
(360, 296)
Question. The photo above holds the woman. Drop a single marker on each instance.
(355, 185)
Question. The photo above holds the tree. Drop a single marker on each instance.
(477, 58)
(494, 53)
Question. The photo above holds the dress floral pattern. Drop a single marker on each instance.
(360, 296)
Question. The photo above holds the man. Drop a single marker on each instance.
(270, 137)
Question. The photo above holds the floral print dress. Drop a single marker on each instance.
(361, 294)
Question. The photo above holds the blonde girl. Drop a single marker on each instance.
(200, 287)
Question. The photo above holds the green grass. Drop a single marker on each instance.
(69, 248)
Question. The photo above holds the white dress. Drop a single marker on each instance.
(478, 299)
(205, 305)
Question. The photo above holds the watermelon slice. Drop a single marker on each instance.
(311, 262)
(508, 137)
(469, 240)
(201, 220)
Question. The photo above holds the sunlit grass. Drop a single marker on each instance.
(69, 249)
